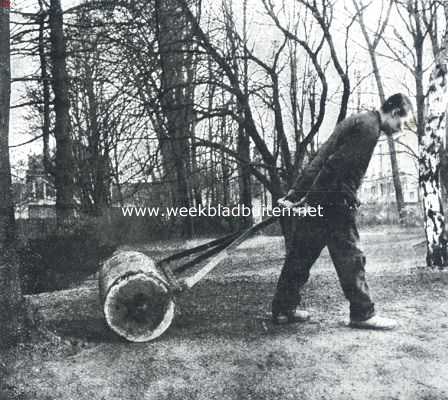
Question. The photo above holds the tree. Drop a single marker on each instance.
(6, 205)
(372, 47)
(243, 141)
(430, 143)
(274, 164)
(64, 165)
(92, 117)
(45, 82)
(155, 44)
(324, 17)
(173, 39)
(303, 140)
(420, 19)
(10, 294)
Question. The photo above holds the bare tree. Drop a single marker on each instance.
(243, 141)
(324, 17)
(172, 36)
(419, 17)
(372, 45)
(64, 165)
(274, 164)
(45, 82)
(10, 293)
(6, 205)
(305, 139)
(430, 143)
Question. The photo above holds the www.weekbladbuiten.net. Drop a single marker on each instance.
(239, 210)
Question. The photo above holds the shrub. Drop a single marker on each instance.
(59, 260)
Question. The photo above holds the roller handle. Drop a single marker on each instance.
(211, 265)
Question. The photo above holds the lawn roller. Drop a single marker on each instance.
(138, 293)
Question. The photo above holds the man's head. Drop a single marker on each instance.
(394, 112)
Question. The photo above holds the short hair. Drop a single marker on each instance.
(397, 101)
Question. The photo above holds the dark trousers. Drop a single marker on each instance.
(337, 230)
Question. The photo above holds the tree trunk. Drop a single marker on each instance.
(49, 311)
(429, 161)
(244, 181)
(98, 159)
(64, 163)
(396, 178)
(243, 141)
(172, 37)
(11, 301)
(45, 92)
(211, 176)
(225, 168)
(10, 293)
(390, 141)
(274, 183)
(7, 231)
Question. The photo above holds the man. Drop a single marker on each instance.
(332, 180)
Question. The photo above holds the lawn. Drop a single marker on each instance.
(221, 346)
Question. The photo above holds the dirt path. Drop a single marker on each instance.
(221, 347)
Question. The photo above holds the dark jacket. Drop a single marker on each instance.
(335, 173)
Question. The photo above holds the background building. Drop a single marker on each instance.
(378, 186)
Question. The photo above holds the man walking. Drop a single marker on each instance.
(332, 180)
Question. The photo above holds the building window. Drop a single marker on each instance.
(390, 188)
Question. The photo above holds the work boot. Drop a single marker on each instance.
(375, 323)
(290, 317)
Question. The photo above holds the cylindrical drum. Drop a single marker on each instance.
(136, 299)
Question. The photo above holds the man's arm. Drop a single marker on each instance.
(341, 161)
(332, 170)
(305, 180)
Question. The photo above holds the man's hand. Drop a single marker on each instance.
(286, 203)
(294, 206)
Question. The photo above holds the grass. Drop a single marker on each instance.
(221, 346)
